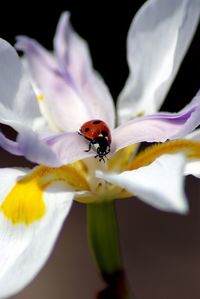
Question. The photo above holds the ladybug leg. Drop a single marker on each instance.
(101, 158)
(80, 133)
(90, 141)
(90, 145)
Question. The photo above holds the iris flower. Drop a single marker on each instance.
(46, 97)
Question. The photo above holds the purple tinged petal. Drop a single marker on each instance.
(73, 92)
(158, 127)
(56, 149)
(32, 47)
(10, 146)
(69, 147)
(62, 105)
(31, 147)
(71, 51)
(74, 57)
(38, 56)
(35, 149)
(53, 150)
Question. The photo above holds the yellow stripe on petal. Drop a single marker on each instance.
(68, 174)
(121, 159)
(25, 202)
(190, 148)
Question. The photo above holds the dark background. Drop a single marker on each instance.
(161, 250)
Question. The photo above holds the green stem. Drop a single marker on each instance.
(104, 243)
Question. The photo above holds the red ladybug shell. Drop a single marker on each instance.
(95, 128)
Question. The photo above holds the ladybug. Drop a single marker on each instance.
(98, 134)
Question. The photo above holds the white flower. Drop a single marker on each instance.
(34, 204)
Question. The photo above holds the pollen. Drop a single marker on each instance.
(40, 97)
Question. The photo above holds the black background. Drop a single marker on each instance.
(161, 251)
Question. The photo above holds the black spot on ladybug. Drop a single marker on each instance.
(87, 129)
(104, 133)
(96, 122)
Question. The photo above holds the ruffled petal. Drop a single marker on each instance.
(158, 127)
(64, 109)
(69, 147)
(72, 93)
(34, 149)
(10, 145)
(16, 96)
(30, 221)
(71, 50)
(158, 39)
(159, 184)
(52, 150)
(74, 59)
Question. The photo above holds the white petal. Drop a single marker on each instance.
(159, 184)
(158, 39)
(195, 135)
(16, 96)
(192, 167)
(74, 60)
(61, 105)
(24, 248)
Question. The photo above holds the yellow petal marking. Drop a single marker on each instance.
(121, 159)
(81, 167)
(25, 202)
(190, 148)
